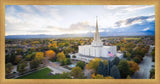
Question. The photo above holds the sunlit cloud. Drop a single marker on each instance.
(146, 29)
(134, 20)
(73, 19)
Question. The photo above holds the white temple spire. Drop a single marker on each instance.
(96, 24)
(97, 41)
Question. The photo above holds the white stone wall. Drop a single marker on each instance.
(89, 50)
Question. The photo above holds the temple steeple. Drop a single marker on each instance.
(97, 41)
(96, 24)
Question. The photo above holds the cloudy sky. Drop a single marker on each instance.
(73, 19)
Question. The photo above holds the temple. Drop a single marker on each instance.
(96, 49)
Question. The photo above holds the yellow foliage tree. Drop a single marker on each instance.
(133, 66)
(35, 42)
(128, 77)
(53, 45)
(98, 76)
(50, 54)
(109, 77)
(93, 64)
(39, 55)
(60, 56)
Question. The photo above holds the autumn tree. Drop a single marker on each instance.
(8, 68)
(77, 73)
(39, 56)
(50, 54)
(17, 60)
(128, 77)
(19, 51)
(93, 64)
(29, 57)
(54, 45)
(108, 77)
(60, 56)
(133, 66)
(98, 76)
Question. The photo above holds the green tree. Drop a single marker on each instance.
(76, 72)
(81, 64)
(115, 72)
(115, 61)
(152, 73)
(66, 61)
(8, 68)
(128, 54)
(34, 63)
(123, 67)
(66, 75)
(137, 59)
(22, 67)
(153, 55)
(101, 68)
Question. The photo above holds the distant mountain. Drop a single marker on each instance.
(102, 34)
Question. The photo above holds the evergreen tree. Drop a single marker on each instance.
(101, 68)
(110, 64)
(115, 61)
(123, 67)
(106, 71)
(115, 72)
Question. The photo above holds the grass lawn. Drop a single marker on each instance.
(41, 74)
(132, 38)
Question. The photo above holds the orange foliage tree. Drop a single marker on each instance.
(50, 54)
(133, 66)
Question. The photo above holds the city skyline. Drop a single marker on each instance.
(77, 19)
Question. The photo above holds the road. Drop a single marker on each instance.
(145, 67)
(55, 67)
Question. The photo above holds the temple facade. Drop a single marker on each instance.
(96, 49)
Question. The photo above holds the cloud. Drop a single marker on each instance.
(134, 20)
(111, 7)
(81, 27)
(134, 8)
(146, 29)
(22, 18)
(127, 7)
(52, 19)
